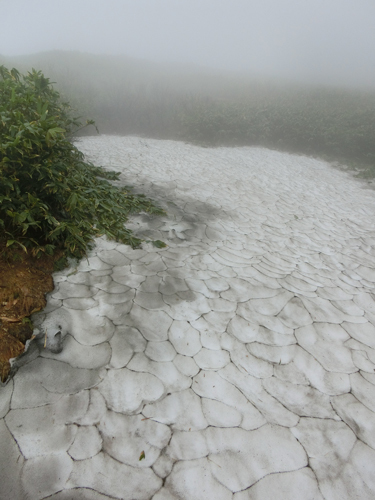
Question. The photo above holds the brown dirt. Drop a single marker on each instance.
(24, 281)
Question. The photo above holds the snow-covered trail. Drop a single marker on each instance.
(238, 363)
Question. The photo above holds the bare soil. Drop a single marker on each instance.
(24, 281)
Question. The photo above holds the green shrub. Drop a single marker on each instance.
(50, 198)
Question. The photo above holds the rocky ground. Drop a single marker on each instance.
(237, 363)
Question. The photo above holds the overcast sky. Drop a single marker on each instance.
(328, 41)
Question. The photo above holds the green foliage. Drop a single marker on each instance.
(50, 198)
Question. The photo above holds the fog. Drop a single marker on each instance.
(322, 41)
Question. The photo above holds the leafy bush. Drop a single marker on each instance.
(50, 198)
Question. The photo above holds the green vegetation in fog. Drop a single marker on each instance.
(50, 198)
(125, 96)
(336, 124)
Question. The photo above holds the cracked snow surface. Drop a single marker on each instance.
(239, 361)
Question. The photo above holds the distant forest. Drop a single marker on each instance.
(134, 97)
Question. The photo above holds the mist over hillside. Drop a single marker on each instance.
(320, 42)
(126, 96)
